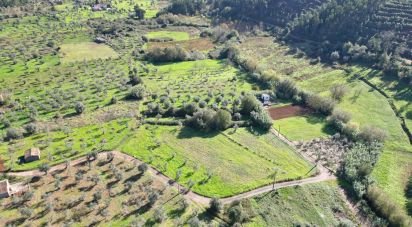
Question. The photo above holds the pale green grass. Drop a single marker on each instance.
(234, 167)
(303, 128)
(312, 204)
(368, 107)
(86, 51)
(185, 80)
(176, 36)
(56, 147)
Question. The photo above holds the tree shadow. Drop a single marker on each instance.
(133, 178)
(187, 133)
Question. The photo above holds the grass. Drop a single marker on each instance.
(318, 204)
(56, 147)
(203, 79)
(303, 128)
(200, 44)
(175, 35)
(368, 107)
(234, 165)
(86, 51)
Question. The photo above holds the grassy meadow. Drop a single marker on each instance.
(218, 164)
(315, 204)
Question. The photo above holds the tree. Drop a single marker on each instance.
(137, 92)
(338, 91)
(222, 120)
(273, 177)
(248, 104)
(26, 212)
(261, 118)
(286, 89)
(334, 56)
(142, 168)
(44, 167)
(215, 206)
(139, 12)
(13, 133)
(370, 134)
(79, 107)
(30, 128)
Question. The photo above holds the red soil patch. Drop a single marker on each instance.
(277, 113)
(2, 167)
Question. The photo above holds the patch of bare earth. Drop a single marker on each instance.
(277, 113)
(327, 151)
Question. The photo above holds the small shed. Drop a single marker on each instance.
(4, 189)
(265, 99)
(32, 154)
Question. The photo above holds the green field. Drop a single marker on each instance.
(233, 166)
(175, 35)
(314, 204)
(69, 143)
(368, 107)
(303, 128)
(86, 51)
(203, 79)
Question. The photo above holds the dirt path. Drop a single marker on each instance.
(324, 175)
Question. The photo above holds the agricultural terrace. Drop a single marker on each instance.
(201, 44)
(216, 164)
(212, 81)
(85, 51)
(43, 95)
(109, 192)
(67, 144)
(319, 204)
(366, 106)
(173, 35)
(394, 165)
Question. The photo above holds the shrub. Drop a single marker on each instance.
(339, 117)
(222, 120)
(137, 92)
(30, 128)
(13, 133)
(248, 104)
(202, 119)
(334, 56)
(338, 91)
(79, 107)
(286, 89)
(388, 209)
(168, 54)
(370, 134)
(190, 108)
(320, 104)
(261, 118)
(236, 214)
(350, 130)
(159, 215)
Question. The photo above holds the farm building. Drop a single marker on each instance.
(4, 189)
(265, 99)
(32, 154)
